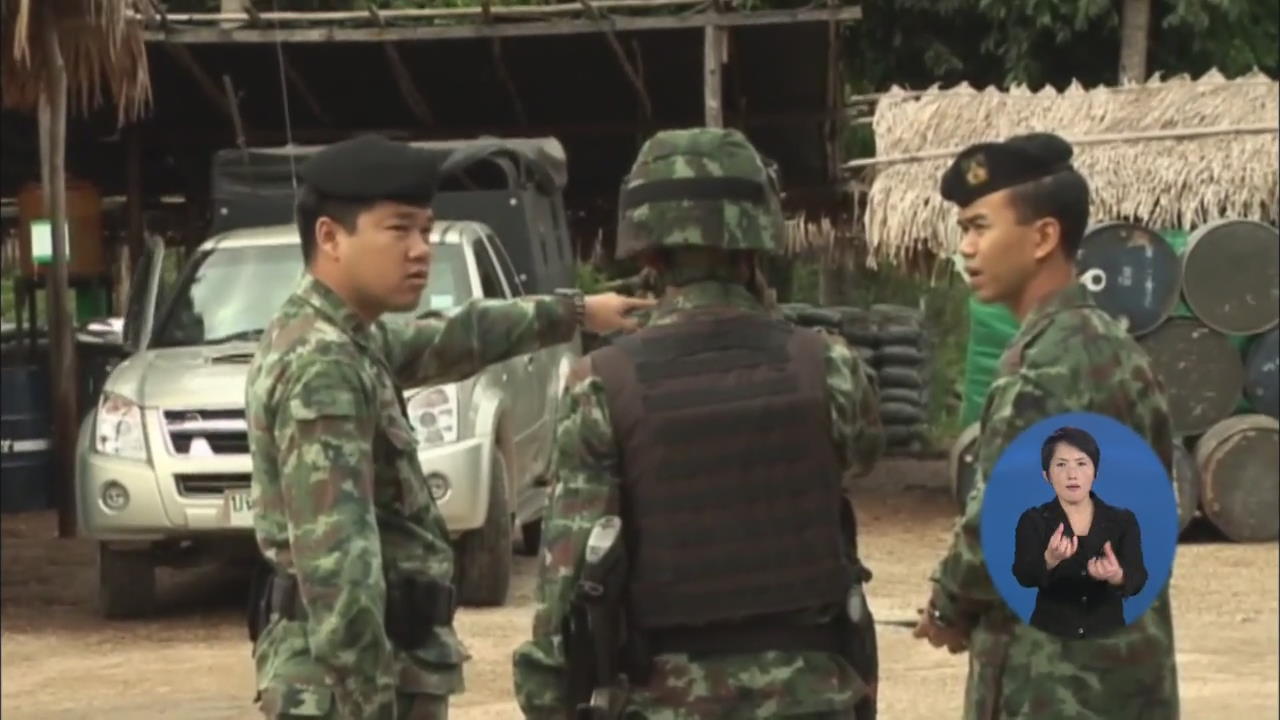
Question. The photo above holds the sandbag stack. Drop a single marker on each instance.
(892, 343)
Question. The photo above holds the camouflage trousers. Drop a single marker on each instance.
(408, 707)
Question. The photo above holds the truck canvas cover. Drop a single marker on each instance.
(513, 185)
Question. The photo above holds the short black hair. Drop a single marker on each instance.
(1076, 438)
(313, 205)
(1063, 196)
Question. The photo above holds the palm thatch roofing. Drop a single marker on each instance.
(1173, 153)
(102, 48)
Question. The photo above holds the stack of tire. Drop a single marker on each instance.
(893, 345)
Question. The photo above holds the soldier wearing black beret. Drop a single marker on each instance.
(355, 619)
(1023, 209)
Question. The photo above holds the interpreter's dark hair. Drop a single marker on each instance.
(1063, 196)
(1076, 438)
(313, 205)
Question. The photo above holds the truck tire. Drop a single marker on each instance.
(483, 556)
(126, 583)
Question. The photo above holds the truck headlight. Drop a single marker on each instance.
(434, 414)
(118, 428)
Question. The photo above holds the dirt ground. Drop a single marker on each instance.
(60, 661)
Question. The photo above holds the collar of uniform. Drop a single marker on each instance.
(1072, 296)
(706, 293)
(331, 306)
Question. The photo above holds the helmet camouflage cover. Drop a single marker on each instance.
(701, 187)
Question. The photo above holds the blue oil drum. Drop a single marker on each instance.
(1262, 374)
(26, 439)
(1132, 272)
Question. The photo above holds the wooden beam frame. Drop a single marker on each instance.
(500, 65)
(304, 91)
(207, 85)
(412, 96)
(606, 24)
(195, 35)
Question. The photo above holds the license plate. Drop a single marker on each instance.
(237, 508)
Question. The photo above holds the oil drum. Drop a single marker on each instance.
(1132, 273)
(1262, 374)
(1231, 276)
(1201, 370)
(1239, 461)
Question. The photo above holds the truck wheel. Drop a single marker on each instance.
(530, 537)
(126, 583)
(483, 556)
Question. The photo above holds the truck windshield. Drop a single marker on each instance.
(231, 293)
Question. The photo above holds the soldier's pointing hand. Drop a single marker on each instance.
(606, 312)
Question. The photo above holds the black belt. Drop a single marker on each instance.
(412, 608)
(745, 638)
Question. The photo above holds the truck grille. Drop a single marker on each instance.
(207, 432)
(204, 486)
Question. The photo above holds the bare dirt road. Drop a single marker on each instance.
(60, 661)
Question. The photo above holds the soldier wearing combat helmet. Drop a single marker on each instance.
(710, 447)
(356, 618)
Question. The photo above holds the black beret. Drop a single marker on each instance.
(985, 168)
(371, 167)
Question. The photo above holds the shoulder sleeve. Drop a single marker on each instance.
(325, 431)
(480, 333)
(585, 479)
(856, 431)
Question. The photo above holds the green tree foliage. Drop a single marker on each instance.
(916, 43)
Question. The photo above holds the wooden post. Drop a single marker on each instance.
(133, 196)
(712, 86)
(62, 359)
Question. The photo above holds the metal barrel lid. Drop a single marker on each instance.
(1231, 276)
(1186, 484)
(1201, 371)
(1262, 374)
(1132, 272)
(962, 464)
(1239, 461)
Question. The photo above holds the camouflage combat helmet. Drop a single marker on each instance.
(702, 187)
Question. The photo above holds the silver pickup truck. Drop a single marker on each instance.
(163, 472)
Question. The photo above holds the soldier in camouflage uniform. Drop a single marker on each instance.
(355, 621)
(720, 436)
(1023, 210)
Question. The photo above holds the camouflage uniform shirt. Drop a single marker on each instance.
(773, 684)
(1068, 356)
(339, 495)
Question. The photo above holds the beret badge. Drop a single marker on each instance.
(975, 171)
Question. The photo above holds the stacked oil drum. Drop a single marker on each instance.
(1206, 308)
(892, 342)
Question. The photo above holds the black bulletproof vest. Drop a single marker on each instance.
(731, 486)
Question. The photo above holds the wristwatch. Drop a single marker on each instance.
(935, 616)
(579, 303)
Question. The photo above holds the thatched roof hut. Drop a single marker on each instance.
(1152, 153)
(102, 48)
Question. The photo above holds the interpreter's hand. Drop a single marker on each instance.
(955, 640)
(1059, 548)
(1106, 568)
(606, 312)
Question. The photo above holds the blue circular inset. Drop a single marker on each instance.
(1129, 476)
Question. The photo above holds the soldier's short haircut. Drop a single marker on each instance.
(313, 205)
(1063, 196)
(1076, 438)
